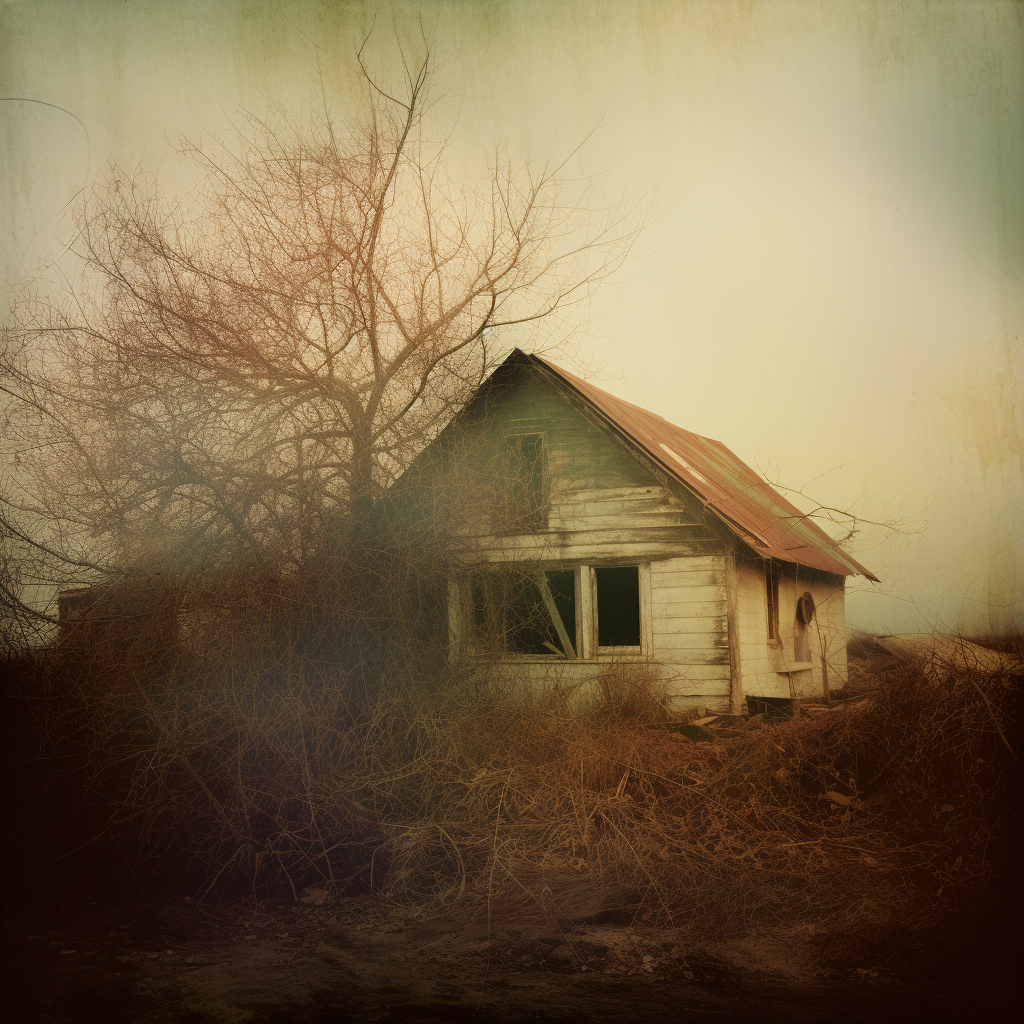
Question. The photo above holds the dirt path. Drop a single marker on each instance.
(359, 960)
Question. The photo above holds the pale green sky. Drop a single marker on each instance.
(834, 286)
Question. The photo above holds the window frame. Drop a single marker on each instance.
(462, 617)
(643, 600)
(532, 520)
(481, 635)
(771, 592)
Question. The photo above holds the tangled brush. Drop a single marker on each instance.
(876, 814)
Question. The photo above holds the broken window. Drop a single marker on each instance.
(618, 606)
(562, 589)
(523, 483)
(526, 613)
(771, 580)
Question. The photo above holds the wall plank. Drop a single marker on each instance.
(715, 625)
(673, 610)
(609, 546)
(582, 519)
(688, 600)
(694, 674)
(706, 655)
(672, 580)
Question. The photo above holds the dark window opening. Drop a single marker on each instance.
(771, 579)
(425, 619)
(524, 482)
(618, 606)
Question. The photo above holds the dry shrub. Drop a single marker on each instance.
(891, 812)
(455, 792)
(241, 744)
(566, 817)
(632, 692)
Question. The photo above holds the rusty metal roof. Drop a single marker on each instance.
(760, 516)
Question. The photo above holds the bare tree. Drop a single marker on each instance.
(239, 370)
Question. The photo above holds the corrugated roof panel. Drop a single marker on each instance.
(751, 508)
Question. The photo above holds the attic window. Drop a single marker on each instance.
(618, 606)
(771, 582)
(523, 483)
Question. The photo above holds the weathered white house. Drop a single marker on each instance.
(595, 531)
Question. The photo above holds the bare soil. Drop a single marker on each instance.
(361, 959)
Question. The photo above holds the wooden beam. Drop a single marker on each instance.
(549, 603)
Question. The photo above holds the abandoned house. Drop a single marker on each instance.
(585, 533)
(595, 532)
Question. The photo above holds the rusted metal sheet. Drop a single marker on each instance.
(753, 510)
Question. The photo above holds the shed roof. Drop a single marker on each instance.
(755, 512)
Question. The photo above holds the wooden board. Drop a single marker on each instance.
(712, 605)
(715, 626)
(693, 656)
(666, 579)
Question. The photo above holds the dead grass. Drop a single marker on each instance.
(883, 815)
(871, 816)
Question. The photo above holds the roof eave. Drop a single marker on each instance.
(840, 562)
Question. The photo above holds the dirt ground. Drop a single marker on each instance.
(338, 959)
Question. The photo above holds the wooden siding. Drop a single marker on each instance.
(604, 506)
(704, 686)
(690, 636)
(627, 545)
(828, 634)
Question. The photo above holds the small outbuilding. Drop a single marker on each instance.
(593, 532)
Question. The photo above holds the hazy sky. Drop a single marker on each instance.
(833, 285)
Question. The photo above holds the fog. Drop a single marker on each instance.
(831, 281)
